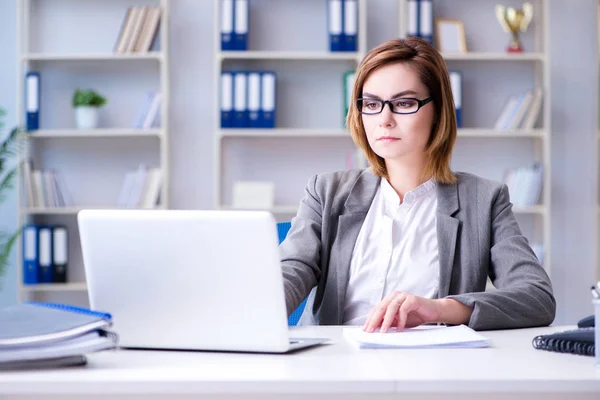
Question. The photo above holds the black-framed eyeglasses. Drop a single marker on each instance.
(403, 105)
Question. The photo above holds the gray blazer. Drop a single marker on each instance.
(478, 236)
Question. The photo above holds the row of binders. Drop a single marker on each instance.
(149, 112)
(524, 184)
(44, 188)
(141, 188)
(234, 25)
(520, 111)
(248, 99)
(138, 30)
(420, 19)
(45, 254)
(342, 25)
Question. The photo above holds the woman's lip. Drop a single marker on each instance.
(388, 138)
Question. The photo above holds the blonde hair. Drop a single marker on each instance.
(431, 67)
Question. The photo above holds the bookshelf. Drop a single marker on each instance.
(305, 69)
(490, 75)
(68, 53)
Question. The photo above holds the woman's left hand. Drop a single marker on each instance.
(403, 310)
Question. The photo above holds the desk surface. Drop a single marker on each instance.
(511, 364)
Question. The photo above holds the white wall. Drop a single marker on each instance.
(575, 101)
(8, 101)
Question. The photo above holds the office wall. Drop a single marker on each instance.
(575, 101)
(8, 101)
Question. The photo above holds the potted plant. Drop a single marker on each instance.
(8, 175)
(86, 104)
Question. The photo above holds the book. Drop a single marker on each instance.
(46, 334)
(577, 341)
(420, 337)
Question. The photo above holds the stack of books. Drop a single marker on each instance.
(138, 30)
(521, 111)
(141, 188)
(44, 188)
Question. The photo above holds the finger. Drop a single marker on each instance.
(391, 313)
(411, 303)
(377, 316)
(366, 324)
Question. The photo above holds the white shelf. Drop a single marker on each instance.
(312, 133)
(288, 55)
(489, 56)
(155, 55)
(494, 133)
(55, 287)
(69, 210)
(283, 132)
(534, 209)
(292, 209)
(94, 133)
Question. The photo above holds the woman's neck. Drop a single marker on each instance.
(404, 178)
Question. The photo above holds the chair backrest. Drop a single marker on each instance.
(282, 231)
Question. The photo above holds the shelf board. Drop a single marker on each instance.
(495, 133)
(55, 287)
(283, 132)
(292, 209)
(293, 132)
(66, 210)
(94, 133)
(494, 56)
(283, 209)
(289, 55)
(154, 55)
(534, 209)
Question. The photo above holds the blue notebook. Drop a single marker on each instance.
(47, 334)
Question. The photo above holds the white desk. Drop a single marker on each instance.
(511, 368)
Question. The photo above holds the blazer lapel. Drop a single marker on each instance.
(447, 232)
(349, 223)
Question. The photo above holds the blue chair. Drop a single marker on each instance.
(282, 230)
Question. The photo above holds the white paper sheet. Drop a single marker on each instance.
(419, 337)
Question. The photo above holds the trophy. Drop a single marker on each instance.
(514, 21)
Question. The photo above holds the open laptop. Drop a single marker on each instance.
(190, 280)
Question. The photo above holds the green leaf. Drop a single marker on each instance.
(7, 242)
(8, 183)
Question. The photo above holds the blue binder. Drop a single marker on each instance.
(456, 84)
(30, 254)
(46, 270)
(268, 99)
(254, 84)
(335, 25)
(412, 29)
(226, 100)
(240, 99)
(350, 12)
(32, 98)
(240, 25)
(426, 20)
(227, 40)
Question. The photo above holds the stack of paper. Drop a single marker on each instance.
(420, 337)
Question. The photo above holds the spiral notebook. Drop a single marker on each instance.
(577, 341)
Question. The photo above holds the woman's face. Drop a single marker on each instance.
(395, 136)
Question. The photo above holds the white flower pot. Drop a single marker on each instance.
(86, 117)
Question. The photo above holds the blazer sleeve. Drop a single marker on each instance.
(523, 296)
(301, 250)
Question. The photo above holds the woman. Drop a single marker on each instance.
(408, 241)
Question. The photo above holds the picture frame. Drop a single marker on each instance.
(450, 35)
